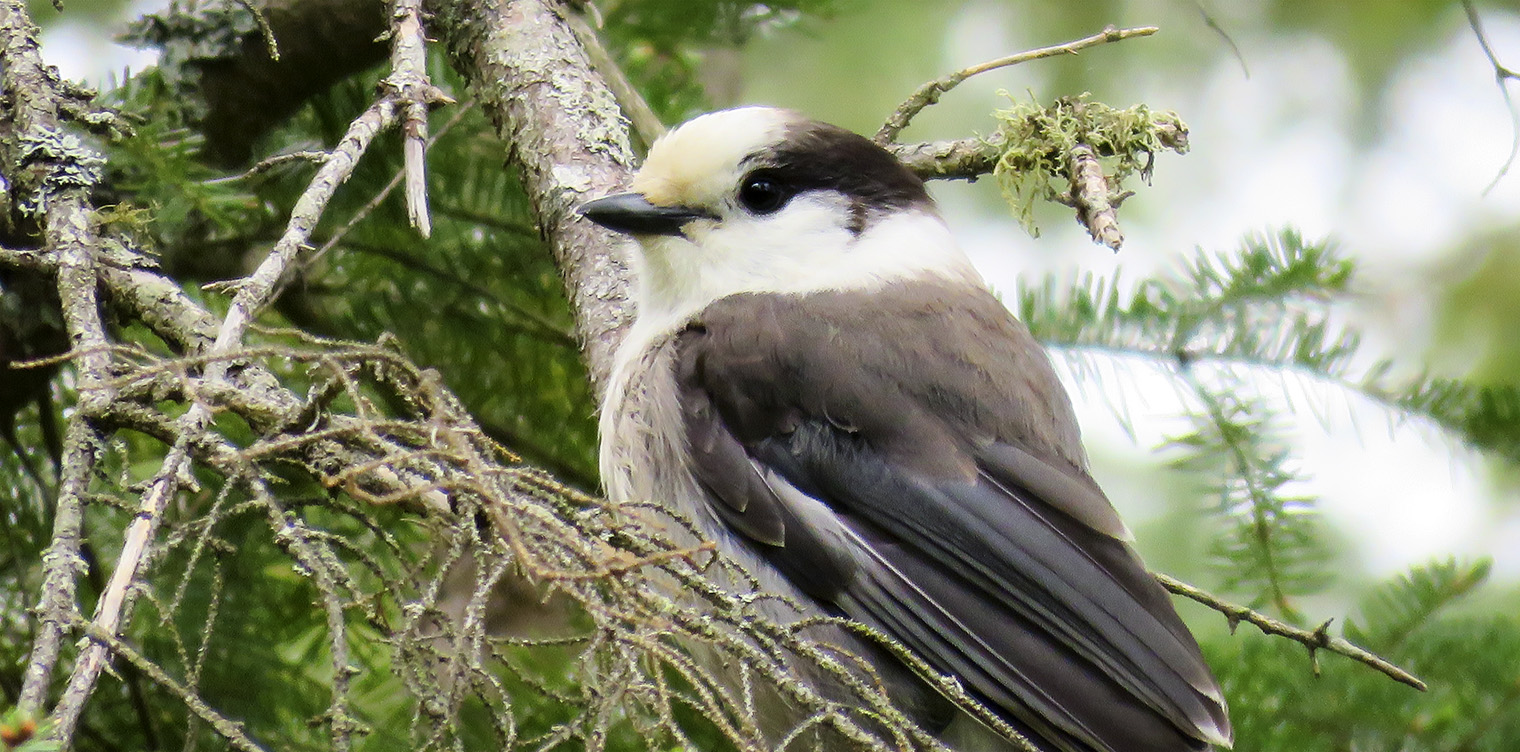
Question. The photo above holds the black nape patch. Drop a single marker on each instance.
(858, 214)
(816, 155)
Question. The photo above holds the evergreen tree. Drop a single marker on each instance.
(299, 433)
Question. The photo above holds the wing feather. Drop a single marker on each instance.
(930, 511)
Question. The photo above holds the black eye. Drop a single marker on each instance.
(762, 195)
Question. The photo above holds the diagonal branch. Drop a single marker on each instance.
(54, 172)
(930, 92)
(253, 293)
(1502, 76)
(1316, 639)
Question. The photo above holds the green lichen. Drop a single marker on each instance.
(1036, 142)
(57, 161)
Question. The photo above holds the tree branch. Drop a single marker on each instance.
(1502, 76)
(52, 173)
(930, 92)
(962, 159)
(1315, 640)
(564, 130)
(410, 83)
(253, 294)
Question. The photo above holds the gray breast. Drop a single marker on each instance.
(644, 458)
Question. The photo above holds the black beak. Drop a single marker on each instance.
(633, 214)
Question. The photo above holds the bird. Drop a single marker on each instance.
(819, 378)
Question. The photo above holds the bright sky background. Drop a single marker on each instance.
(1269, 151)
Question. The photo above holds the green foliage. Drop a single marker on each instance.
(1274, 307)
(1469, 661)
(228, 609)
(665, 45)
(1402, 607)
(1485, 415)
(1036, 146)
(196, 213)
(1271, 545)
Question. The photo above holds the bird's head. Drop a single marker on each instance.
(759, 199)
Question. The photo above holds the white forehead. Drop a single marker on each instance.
(700, 162)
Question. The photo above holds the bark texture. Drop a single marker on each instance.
(566, 135)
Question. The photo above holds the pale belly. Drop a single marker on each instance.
(644, 463)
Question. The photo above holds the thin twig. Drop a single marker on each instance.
(265, 30)
(230, 730)
(930, 92)
(324, 570)
(1502, 76)
(1317, 639)
(1213, 23)
(379, 198)
(409, 81)
(267, 164)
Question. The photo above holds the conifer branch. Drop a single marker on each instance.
(1315, 640)
(1271, 307)
(1272, 544)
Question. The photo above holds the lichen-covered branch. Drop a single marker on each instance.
(563, 128)
(49, 174)
(1079, 153)
(962, 159)
(410, 83)
(1096, 202)
(930, 92)
(646, 124)
(62, 203)
(253, 294)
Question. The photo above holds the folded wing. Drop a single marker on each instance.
(873, 471)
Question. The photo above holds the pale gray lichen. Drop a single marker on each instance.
(1036, 142)
(58, 161)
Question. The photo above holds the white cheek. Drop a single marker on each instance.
(773, 250)
(807, 246)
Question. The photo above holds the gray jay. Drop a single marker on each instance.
(819, 378)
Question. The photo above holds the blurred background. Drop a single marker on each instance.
(1375, 125)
